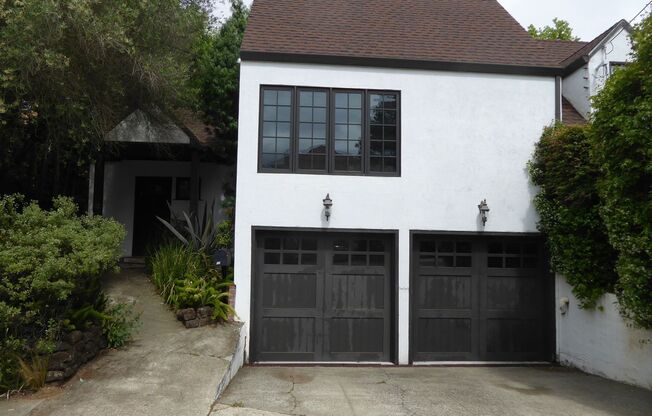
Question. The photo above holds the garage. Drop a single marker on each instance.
(323, 297)
(480, 298)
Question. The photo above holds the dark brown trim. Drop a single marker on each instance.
(400, 63)
(558, 116)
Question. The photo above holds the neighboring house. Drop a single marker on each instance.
(150, 163)
(406, 116)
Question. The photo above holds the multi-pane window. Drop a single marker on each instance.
(277, 116)
(312, 130)
(317, 130)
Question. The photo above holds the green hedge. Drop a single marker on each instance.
(50, 264)
(621, 136)
(569, 208)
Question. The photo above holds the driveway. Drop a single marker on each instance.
(166, 370)
(487, 391)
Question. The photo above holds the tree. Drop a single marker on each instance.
(622, 148)
(216, 73)
(560, 30)
(72, 69)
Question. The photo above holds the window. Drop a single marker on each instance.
(615, 66)
(317, 130)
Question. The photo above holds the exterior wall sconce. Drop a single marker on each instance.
(484, 210)
(328, 203)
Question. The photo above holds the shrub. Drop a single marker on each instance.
(622, 147)
(50, 265)
(568, 206)
(187, 279)
(120, 323)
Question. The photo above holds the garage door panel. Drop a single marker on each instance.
(445, 292)
(513, 338)
(444, 335)
(288, 335)
(357, 292)
(517, 293)
(289, 290)
(356, 335)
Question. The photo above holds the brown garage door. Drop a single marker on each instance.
(322, 297)
(480, 299)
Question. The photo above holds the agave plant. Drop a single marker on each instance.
(198, 234)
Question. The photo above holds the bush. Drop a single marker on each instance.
(50, 265)
(187, 279)
(622, 147)
(120, 323)
(568, 206)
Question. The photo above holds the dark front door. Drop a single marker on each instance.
(152, 196)
(322, 297)
(480, 299)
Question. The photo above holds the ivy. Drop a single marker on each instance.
(569, 207)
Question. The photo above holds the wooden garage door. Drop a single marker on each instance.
(322, 297)
(480, 299)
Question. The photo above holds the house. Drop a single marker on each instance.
(384, 212)
(156, 164)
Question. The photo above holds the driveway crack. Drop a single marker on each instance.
(295, 402)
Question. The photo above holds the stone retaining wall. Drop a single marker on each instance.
(75, 349)
(196, 317)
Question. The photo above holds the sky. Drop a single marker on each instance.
(588, 18)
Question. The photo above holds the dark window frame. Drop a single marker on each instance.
(330, 131)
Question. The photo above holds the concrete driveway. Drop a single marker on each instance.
(428, 391)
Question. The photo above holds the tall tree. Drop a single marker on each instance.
(71, 69)
(216, 74)
(560, 30)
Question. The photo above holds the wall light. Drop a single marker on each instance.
(328, 203)
(484, 211)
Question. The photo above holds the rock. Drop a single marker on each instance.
(74, 337)
(192, 323)
(51, 376)
(188, 314)
(205, 312)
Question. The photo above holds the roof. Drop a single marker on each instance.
(469, 35)
(569, 115)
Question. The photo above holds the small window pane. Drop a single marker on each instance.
(284, 98)
(495, 262)
(376, 101)
(389, 117)
(445, 247)
(512, 248)
(309, 244)
(355, 116)
(355, 132)
(283, 146)
(376, 132)
(355, 164)
(269, 113)
(389, 149)
(305, 114)
(290, 258)
(358, 260)
(270, 97)
(319, 115)
(290, 243)
(273, 243)
(376, 148)
(269, 145)
(340, 245)
(340, 163)
(428, 261)
(269, 160)
(319, 99)
(341, 259)
(376, 245)
(376, 260)
(283, 113)
(427, 246)
(495, 248)
(359, 245)
(341, 147)
(341, 116)
(376, 164)
(341, 100)
(463, 247)
(376, 117)
(355, 100)
(272, 258)
(389, 101)
(463, 261)
(305, 130)
(513, 262)
(389, 133)
(445, 261)
(305, 98)
(341, 131)
(389, 164)
(319, 131)
(283, 129)
(269, 129)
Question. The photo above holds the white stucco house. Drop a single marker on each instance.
(384, 213)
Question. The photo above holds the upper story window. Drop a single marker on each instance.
(317, 130)
(615, 66)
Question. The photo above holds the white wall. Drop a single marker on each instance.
(464, 137)
(575, 88)
(600, 342)
(119, 188)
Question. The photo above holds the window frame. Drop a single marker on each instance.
(330, 131)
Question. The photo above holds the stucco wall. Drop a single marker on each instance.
(575, 88)
(465, 137)
(120, 182)
(600, 342)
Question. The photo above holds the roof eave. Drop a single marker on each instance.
(399, 63)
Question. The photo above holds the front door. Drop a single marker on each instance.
(152, 195)
(322, 297)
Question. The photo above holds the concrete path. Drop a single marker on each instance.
(468, 391)
(167, 370)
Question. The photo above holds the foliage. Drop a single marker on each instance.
(560, 30)
(622, 148)
(568, 205)
(120, 323)
(198, 235)
(216, 73)
(35, 371)
(72, 69)
(187, 279)
(50, 263)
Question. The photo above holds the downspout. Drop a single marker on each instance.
(558, 95)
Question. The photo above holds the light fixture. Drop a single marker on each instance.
(328, 203)
(484, 210)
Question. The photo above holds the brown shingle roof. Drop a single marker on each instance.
(446, 34)
(569, 115)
